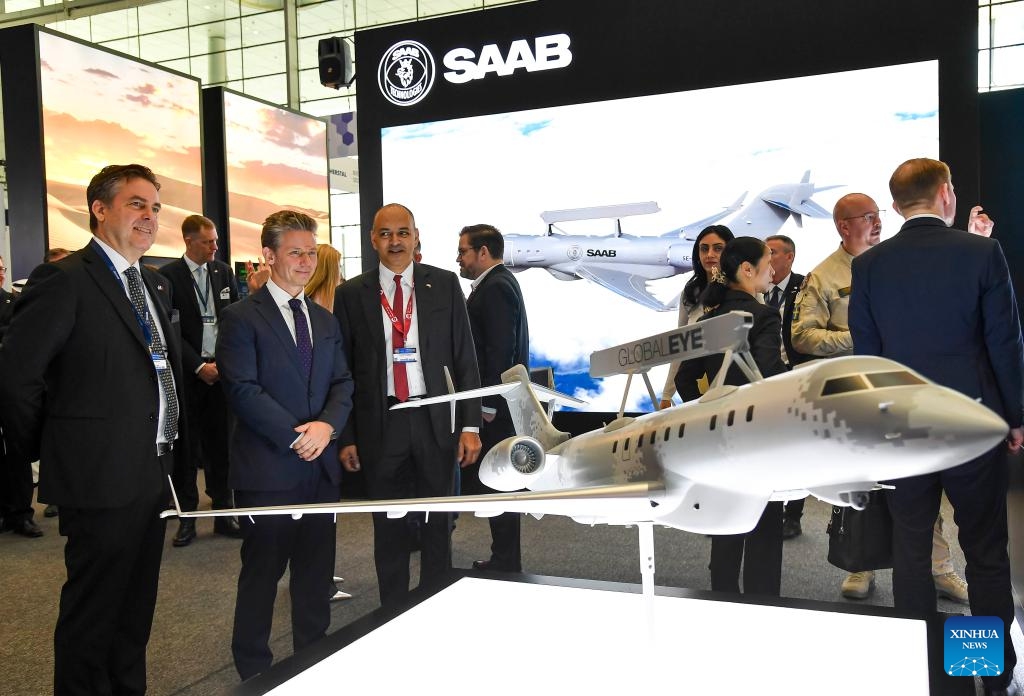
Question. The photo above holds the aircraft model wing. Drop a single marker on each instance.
(543, 394)
(690, 231)
(628, 285)
(620, 503)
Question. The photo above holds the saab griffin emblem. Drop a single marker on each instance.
(406, 73)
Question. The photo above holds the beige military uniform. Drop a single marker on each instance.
(820, 313)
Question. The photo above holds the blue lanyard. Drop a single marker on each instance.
(142, 319)
(205, 296)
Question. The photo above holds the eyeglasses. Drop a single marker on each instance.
(464, 251)
(869, 218)
(3, 269)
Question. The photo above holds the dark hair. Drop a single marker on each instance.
(740, 249)
(485, 236)
(105, 185)
(194, 224)
(283, 221)
(696, 284)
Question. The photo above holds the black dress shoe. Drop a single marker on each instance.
(228, 526)
(26, 528)
(492, 565)
(51, 511)
(186, 533)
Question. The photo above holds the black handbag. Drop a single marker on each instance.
(861, 539)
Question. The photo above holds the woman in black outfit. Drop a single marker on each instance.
(745, 273)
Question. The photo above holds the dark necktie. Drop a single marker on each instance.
(302, 342)
(775, 298)
(156, 347)
(398, 341)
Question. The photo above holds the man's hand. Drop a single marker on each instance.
(349, 457)
(979, 222)
(469, 448)
(208, 373)
(256, 277)
(315, 437)
(1015, 439)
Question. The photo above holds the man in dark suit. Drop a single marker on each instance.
(89, 379)
(202, 288)
(403, 324)
(497, 315)
(964, 335)
(287, 382)
(781, 294)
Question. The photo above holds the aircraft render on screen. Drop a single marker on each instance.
(624, 263)
(832, 428)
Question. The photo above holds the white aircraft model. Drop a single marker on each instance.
(832, 428)
(624, 263)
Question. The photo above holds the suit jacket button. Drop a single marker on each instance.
(310, 394)
(152, 417)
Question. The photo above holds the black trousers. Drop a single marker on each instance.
(759, 550)
(207, 413)
(106, 604)
(270, 544)
(506, 553)
(412, 465)
(977, 491)
(15, 489)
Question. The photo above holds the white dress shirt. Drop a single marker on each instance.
(201, 277)
(413, 370)
(121, 265)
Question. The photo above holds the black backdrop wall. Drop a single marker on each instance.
(651, 47)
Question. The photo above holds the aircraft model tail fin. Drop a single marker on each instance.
(528, 416)
(690, 230)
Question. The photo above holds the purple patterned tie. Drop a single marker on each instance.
(302, 341)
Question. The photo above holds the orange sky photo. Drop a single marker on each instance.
(100, 109)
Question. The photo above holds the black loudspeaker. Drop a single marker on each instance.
(335, 62)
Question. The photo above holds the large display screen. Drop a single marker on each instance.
(276, 159)
(101, 108)
(693, 153)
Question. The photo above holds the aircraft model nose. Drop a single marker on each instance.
(963, 423)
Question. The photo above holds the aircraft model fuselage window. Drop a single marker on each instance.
(732, 417)
(750, 413)
(893, 379)
(714, 421)
(682, 429)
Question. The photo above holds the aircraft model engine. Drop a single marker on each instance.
(512, 464)
(679, 255)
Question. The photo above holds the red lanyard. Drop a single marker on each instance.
(404, 330)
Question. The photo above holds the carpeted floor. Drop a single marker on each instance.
(189, 652)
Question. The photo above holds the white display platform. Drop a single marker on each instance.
(490, 636)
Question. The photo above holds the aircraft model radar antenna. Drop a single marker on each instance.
(726, 334)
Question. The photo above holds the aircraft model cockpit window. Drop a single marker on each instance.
(893, 379)
(842, 385)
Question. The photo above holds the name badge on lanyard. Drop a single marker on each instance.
(209, 320)
(404, 355)
(159, 361)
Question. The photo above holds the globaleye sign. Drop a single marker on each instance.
(406, 70)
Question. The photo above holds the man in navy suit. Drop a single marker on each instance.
(403, 323)
(202, 288)
(501, 334)
(286, 379)
(939, 300)
(89, 383)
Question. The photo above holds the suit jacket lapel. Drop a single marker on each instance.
(157, 292)
(114, 290)
(370, 300)
(271, 313)
(426, 302)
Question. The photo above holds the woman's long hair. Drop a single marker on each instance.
(740, 249)
(326, 278)
(699, 281)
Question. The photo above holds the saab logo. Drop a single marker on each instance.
(973, 646)
(406, 73)
(574, 252)
(547, 53)
(609, 253)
